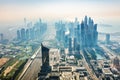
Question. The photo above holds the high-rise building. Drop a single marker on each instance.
(27, 34)
(32, 32)
(45, 68)
(107, 38)
(45, 56)
(23, 34)
(75, 44)
(18, 35)
(1, 37)
(89, 34)
(60, 32)
(70, 44)
(84, 34)
(25, 22)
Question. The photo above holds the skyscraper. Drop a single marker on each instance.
(45, 56)
(25, 24)
(45, 68)
(27, 34)
(33, 32)
(107, 38)
(18, 35)
(60, 32)
(75, 44)
(1, 37)
(84, 34)
(23, 34)
(70, 44)
(89, 34)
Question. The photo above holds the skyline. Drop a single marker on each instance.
(104, 12)
(59, 40)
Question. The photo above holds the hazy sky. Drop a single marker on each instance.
(102, 11)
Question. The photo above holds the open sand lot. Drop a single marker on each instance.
(9, 68)
(3, 61)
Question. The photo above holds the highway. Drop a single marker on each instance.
(32, 67)
(90, 71)
(108, 52)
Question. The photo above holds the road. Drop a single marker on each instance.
(108, 52)
(32, 67)
(90, 71)
(25, 69)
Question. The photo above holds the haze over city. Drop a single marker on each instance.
(105, 12)
(59, 40)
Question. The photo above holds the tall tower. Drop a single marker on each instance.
(107, 38)
(25, 24)
(1, 37)
(70, 44)
(45, 56)
(27, 34)
(89, 34)
(23, 34)
(45, 68)
(18, 35)
(75, 44)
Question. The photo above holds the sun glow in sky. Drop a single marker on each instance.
(101, 10)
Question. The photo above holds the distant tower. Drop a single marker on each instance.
(25, 22)
(107, 38)
(23, 34)
(18, 35)
(75, 44)
(85, 20)
(76, 23)
(40, 20)
(27, 34)
(76, 20)
(70, 44)
(1, 37)
(81, 35)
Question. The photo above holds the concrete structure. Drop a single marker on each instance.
(54, 56)
(1, 37)
(31, 32)
(45, 68)
(116, 62)
(79, 35)
(65, 69)
(107, 38)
